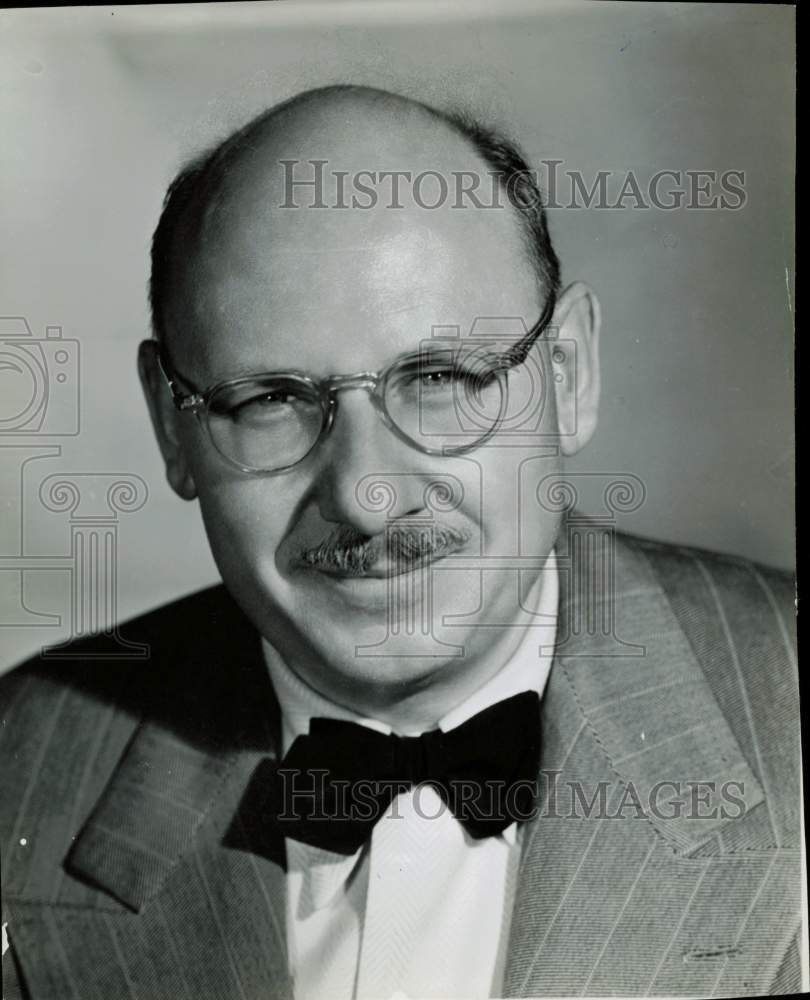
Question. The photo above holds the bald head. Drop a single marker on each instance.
(346, 170)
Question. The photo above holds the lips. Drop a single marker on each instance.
(384, 570)
(384, 590)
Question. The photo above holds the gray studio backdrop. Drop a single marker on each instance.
(101, 105)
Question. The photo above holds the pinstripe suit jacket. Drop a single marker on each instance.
(120, 782)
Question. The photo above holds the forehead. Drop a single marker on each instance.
(272, 281)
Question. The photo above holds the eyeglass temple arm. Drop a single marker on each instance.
(517, 354)
(182, 400)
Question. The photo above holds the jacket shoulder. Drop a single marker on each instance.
(728, 605)
(739, 618)
(99, 667)
(676, 565)
(64, 723)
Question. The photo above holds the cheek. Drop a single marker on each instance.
(502, 495)
(242, 513)
(246, 519)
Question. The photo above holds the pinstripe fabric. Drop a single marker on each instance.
(788, 979)
(635, 906)
(123, 782)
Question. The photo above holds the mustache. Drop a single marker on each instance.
(353, 553)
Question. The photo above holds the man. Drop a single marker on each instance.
(433, 737)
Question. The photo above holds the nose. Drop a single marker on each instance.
(367, 475)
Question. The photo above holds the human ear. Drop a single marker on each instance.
(577, 317)
(164, 420)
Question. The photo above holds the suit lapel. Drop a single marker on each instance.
(177, 912)
(609, 891)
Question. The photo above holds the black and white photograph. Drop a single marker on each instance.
(397, 504)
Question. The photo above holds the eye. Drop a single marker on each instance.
(445, 378)
(267, 400)
(276, 405)
(442, 378)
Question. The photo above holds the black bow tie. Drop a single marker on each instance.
(335, 783)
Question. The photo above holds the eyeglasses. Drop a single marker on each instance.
(447, 399)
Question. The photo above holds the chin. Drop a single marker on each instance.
(388, 677)
(376, 653)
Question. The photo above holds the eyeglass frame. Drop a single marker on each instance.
(326, 389)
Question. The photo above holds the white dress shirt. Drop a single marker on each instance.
(422, 909)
